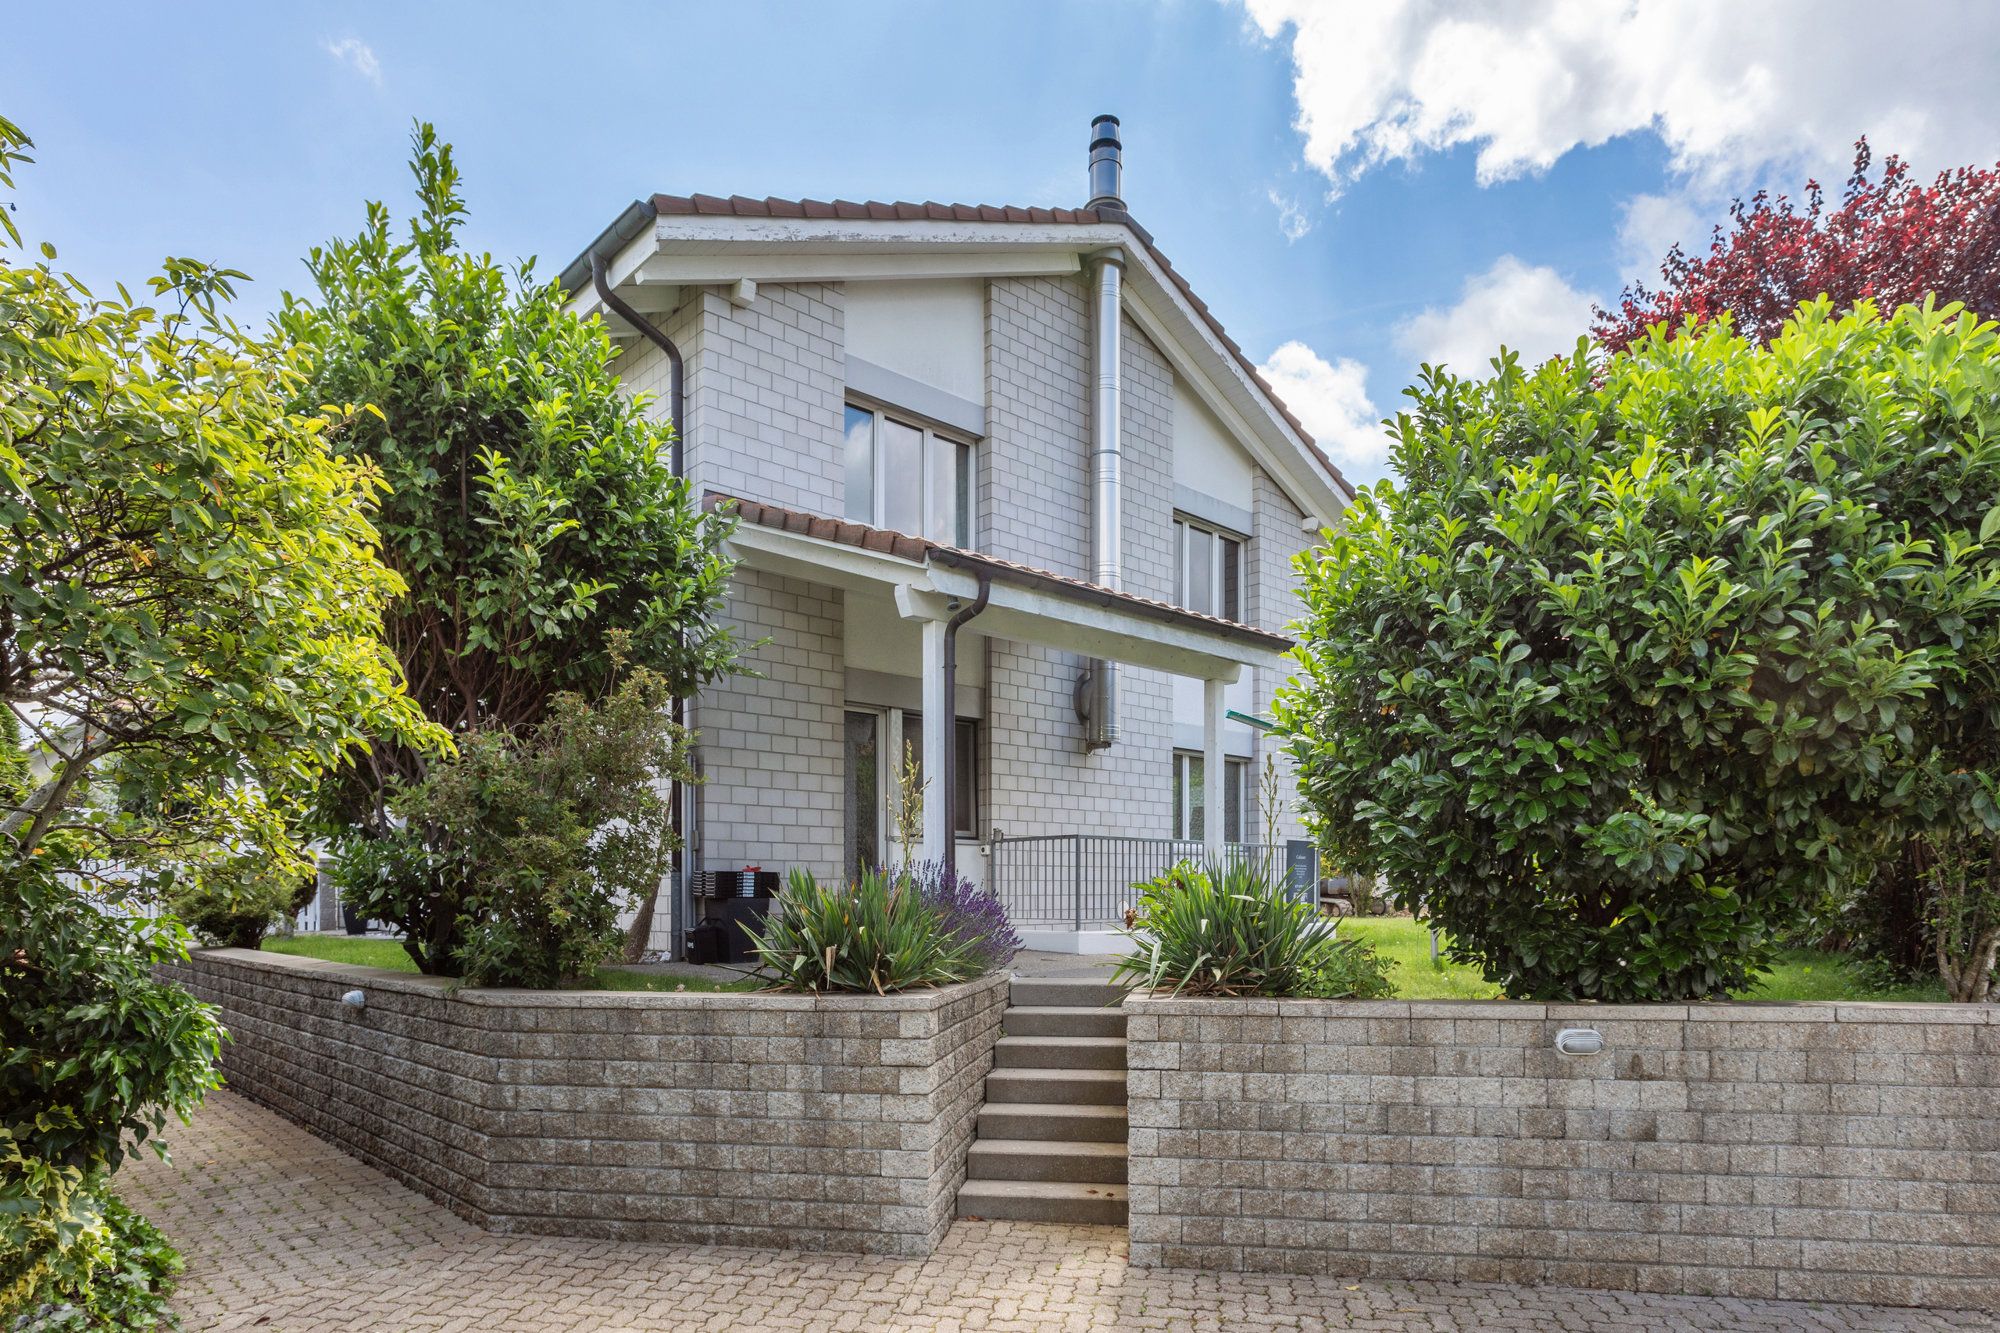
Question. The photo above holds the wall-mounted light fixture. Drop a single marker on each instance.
(355, 999)
(1579, 1041)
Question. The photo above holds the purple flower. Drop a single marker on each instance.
(969, 913)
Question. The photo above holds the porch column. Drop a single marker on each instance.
(939, 716)
(1211, 765)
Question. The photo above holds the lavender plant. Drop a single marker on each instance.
(968, 913)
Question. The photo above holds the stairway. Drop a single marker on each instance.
(1051, 1142)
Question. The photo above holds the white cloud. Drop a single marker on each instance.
(357, 54)
(1527, 308)
(1292, 219)
(1652, 225)
(1331, 400)
(1729, 87)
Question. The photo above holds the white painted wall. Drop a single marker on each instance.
(880, 639)
(1205, 458)
(931, 329)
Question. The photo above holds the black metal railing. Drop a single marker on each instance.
(1086, 881)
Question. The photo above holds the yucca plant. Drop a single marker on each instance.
(1231, 929)
(877, 934)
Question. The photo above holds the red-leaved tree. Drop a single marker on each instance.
(1892, 240)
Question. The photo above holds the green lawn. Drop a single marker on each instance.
(1800, 974)
(390, 954)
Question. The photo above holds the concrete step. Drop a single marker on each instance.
(1059, 1053)
(1074, 1161)
(1065, 1021)
(1043, 1201)
(1070, 1087)
(1059, 992)
(1052, 1122)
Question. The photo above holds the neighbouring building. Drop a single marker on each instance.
(1013, 510)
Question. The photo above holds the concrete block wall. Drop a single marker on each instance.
(766, 397)
(1822, 1152)
(1035, 489)
(773, 759)
(766, 385)
(795, 1122)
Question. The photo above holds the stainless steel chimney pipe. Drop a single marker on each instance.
(1107, 277)
(1107, 166)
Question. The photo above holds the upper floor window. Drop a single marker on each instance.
(1208, 570)
(908, 477)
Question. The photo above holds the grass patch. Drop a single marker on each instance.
(390, 954)
(1811, 974)
(1799, 974)
(1406, 945)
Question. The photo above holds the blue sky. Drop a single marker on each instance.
(1352, 187)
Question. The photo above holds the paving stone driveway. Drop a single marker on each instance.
(283, 1232)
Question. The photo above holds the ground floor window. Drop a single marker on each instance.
(885, 758)
(1191, 795)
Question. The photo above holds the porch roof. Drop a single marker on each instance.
(929, 579)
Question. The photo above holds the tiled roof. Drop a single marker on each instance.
(917, 549)
(708, 205)
(741, 206)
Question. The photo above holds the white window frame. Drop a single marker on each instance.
(961, 533)
(1183, 815)
(1222, 541)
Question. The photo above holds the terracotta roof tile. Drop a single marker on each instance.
(917, 549)
(705, 205)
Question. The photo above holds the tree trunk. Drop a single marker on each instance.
(640, 933)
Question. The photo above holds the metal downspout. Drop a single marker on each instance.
(948, 783)
(679, 903)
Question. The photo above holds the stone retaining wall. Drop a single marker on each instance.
(1802, 1151)
(837, 1123)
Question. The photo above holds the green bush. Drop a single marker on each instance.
(879, 934)
(119, 1275)
(1650, 656)
(509, 864)
(237, 903)
(1234, 930)
(95, 1056)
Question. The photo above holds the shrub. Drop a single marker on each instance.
(878, 934)
(119, 1275)
(95, 1056)
(969, 913)
(1234, 930)
(235, 904)
(1650, 655)
(509, 864)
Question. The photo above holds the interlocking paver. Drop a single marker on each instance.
(282, 1232)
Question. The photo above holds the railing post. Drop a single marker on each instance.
(1076, 843)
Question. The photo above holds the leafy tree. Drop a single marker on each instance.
(531, 507)
(1652, 652)
(1893, 241)
(189, 603)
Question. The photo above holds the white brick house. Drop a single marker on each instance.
(901, 402)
